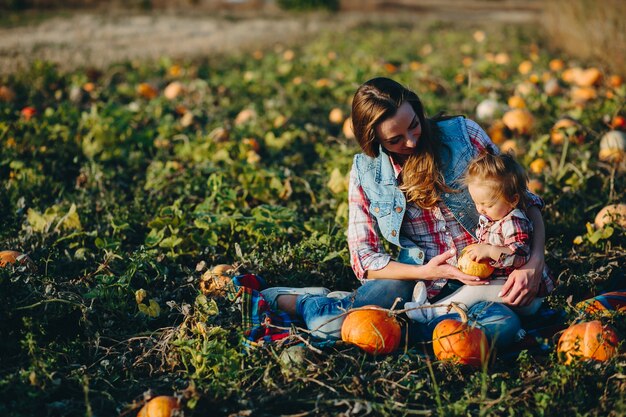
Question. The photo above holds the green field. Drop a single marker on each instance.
(112, 188)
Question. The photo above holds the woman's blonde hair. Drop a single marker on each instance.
(376, 101)
(503, 173)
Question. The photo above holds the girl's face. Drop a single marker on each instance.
(495, 208)
(400, 133)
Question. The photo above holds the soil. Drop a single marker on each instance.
(98, 38)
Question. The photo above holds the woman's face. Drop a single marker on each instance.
(400, 133)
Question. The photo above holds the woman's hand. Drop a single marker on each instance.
(439, 268)
(521, 288)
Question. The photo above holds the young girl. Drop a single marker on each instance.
(497, 185)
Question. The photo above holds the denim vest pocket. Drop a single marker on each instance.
(380, 209)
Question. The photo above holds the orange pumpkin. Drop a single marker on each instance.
(520, 121)
(470, 267)
(373, 329)
(11, 257)
(214, 282)
(161, 406)
(458, 341)
(347, 130)
(559, 132)
(587, 340)
(336, 116)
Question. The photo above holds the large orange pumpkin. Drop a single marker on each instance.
(373, 329)
(587, 340)
(161, 406)
(470, 267)
(458, 341)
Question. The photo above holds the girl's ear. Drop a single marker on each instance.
(515, 200)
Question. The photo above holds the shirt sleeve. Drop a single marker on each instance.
(481, 141)
(516, 231)
(366, 249)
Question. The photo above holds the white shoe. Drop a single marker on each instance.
(338, 294)
(271, 294)
(420, 299)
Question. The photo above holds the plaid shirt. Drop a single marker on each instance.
(433, 230)
(513, 231)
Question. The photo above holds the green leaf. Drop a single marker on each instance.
(171, 242)
(154, 237)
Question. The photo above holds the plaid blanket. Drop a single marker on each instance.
(260, 324)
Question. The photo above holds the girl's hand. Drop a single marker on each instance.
(479, 252)
(439, 268)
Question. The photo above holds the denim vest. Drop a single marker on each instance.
(387, 202)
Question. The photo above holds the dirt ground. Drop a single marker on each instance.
(97, 38)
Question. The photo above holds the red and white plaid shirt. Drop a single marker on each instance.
(513, 231)
(433, 230)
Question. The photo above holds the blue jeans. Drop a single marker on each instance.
(323, 315)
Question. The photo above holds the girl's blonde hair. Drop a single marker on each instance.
(376, 101)
(503, 172)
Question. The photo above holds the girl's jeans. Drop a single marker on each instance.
(322, 315)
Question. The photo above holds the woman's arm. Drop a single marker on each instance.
(523, 284)
(436, 268)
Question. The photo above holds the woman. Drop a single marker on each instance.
(437, 222)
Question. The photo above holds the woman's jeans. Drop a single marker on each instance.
(323, 315)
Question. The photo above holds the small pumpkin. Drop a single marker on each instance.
(537, 166)
(173, 90)
(587, 340)
(147, 91)
(9, 257)
(458, 341)
(535, 186)
(613, 146)
(161, 406)
(566, 128)
(347, 130)
(489, 109)
(588, 77)
(373, 329)
(214, 282)
(581, 95)
(613, 213)
(470, 267)
(520, 121)
(336, 116)
(497, 132)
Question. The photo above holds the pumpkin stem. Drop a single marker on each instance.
(456, 307)
(395, 303)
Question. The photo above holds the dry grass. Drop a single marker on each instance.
(589, 30)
